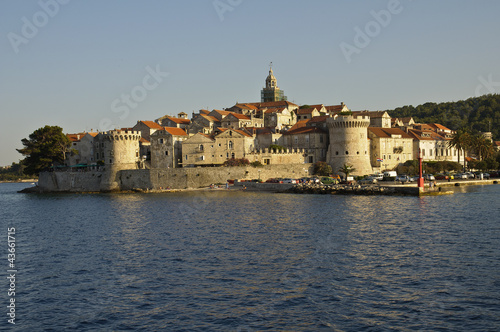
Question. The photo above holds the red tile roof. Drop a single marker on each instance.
(152, 125)
(175, 131)
(178, 120)
(334, 108)
(317, 119)
(143, 140)
(238, 116)
(433, 136)
(305, 130)
(210, 118)
(299, 124)
(387, 132)
(75, 137)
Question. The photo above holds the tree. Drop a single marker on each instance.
(45, 147)
(321, 168)
(461, 141)
(482, 146)
(347, 169)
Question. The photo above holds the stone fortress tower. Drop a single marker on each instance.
(349, 143)
(120, 152)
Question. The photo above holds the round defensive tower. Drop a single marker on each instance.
(121, 151)
(349, 143)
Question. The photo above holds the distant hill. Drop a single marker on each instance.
(477, 113)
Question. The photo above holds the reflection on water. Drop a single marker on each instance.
(218, 260)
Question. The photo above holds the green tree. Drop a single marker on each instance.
(482, 146)
(461, 141)
(45, 147)
(347, 169)
(321, 168)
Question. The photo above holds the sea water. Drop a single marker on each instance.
(248, 261)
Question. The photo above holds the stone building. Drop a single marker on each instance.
(307, 113)
(380, 119)
(279, 118)
(389, 147)
(205, 124)
(166, 147)
(204, 150)
(312, 140)
(181, 121)
(83, 143)
(349, 143)
(432, 142)
(147, 128)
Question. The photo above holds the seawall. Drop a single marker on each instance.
(173, 178)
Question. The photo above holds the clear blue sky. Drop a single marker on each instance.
(85, 55)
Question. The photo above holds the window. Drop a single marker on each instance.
(336, 153)
(97, 155)
(161, 140)
(347, 152)
(307, 139)
(166, 153)
(296, 139)
(202, 158)
(230, 145)
(186, 157)
(201, 147)
(321, 138)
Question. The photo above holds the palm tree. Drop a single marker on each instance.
(461, 141)
(347, 169)
(482, 146)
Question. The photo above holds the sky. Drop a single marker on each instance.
(95, 65)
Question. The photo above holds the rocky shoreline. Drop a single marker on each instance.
(340, 189)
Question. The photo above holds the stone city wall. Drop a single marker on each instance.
(174, 178)
(70, 181)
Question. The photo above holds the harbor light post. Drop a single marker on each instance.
(420, 178)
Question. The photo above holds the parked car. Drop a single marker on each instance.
(441, 177)
(414, 178)
(328, 180)
(288, 180)
(461, 176)
(272, 181)
(368, 180)
(403, 178)
(379, 176)
(429, 177)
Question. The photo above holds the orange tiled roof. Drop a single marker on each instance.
(387, 132)
(210, 118)
(178, 120)
(175, 131)
(334, 108)
(75, 137)
(320, 118)
(299, 124)
(143, 140)
(238, 116)
(307, 110)
(152, 125)
(305, 130)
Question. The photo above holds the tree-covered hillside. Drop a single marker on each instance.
(478, 113)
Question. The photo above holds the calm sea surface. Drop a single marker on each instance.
(243, 261)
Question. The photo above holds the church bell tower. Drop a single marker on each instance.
(271, 92)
